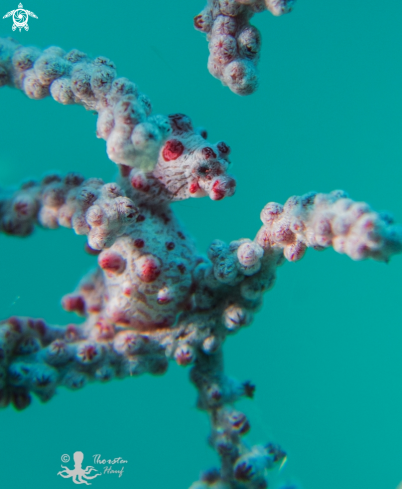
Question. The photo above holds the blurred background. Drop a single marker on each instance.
(325, 350)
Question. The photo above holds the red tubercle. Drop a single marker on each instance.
(105, 331)
(37, 325)
(30, 323)
(73, 179)
(50, 179)
(208, 153)
(223, 148)
(163, 300)
(275, 453)
(363, 250)
(218, 191)
(240, 423)
(87, 197)
(57, 347)
(127, 115)
(297, 227)
(121, 318)
(87, 286)
(170, 245)
(199, 22)
(22, 208)
(369, 224)
(65, 216)
(127, 291)
(295, 251)
(112, 262)
(139, 243)
(264, 238)
(172, 150)
(140, 218)
(148, 268)
(139, 183)
(166, 323)
(15, 323)
(271, 212)
(180, 123)
(88, 353)
(215, 393)
(28, 344)
(164, 296)
(71, 333)
(74, 303)
(194, 187)
(132, 342)
(184, 356)
(222, 187)
(42, 380)
(91, 251)
(94, 309)
(113, 190)
(283, 234)
(10, 227)
(244, 472)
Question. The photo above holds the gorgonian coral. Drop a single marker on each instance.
(153, 297)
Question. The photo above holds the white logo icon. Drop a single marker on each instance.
(20, 17)
(78, 470)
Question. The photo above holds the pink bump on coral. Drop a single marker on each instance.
(148, 268)
(111, 262)
(172, 150)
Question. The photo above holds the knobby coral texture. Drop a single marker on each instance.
(234, 44)
(153, 298)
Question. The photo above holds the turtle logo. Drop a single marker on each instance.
(20, 17)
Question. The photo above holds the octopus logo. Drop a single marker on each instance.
(78, 474)
(20, 17)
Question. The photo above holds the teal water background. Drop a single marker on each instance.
(326, 350)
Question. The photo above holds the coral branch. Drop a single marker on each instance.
(240, 464)
(153, 298)
(234, 44)
(186, 164)
(88, 206)
(319, 221)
